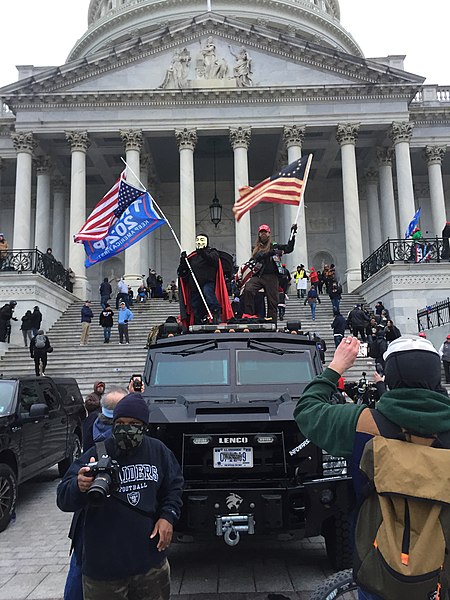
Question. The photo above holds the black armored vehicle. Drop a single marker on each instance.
(223, 403)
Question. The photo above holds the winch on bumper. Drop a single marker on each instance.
(286, 513)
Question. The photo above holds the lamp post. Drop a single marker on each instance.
(215, 208)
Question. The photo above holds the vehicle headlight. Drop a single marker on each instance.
(333, 465)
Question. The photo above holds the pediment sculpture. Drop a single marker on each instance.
(210, 69)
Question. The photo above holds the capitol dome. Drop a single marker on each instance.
(115, 21)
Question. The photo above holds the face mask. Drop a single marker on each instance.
(201, 241)
(128, 437)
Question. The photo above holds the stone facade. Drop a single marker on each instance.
(161, 84)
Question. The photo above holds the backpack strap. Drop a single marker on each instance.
(372, 422)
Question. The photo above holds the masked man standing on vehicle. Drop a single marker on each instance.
(206, 265)
(126, 536)
(410, 424)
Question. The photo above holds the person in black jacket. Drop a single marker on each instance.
(125, 538)
(26, 327)
(106, 321)
(36, 321)
(105, 292)
(267, 254)
(339, 325)
(39, 348)
(6, 314)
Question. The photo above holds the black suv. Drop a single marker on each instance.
(40, 425)
(224, 402)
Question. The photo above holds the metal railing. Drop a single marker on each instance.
(426, 250)
(34, 261)
(433, 316)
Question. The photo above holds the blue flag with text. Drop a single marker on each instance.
(413, 224)
(138, 220)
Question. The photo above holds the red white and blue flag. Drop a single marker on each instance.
(108, 210)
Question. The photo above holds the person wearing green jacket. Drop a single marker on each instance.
(412, 374)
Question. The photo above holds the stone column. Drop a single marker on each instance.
(147, 244)
(389, 227)
(293, 139)
(401, 133)
(434, 156)
(24, 144)
(133, 140)
(187, 141)
(373, 209)
(79, 144)
(346, 135)
(42, 221)
(59, 219)
(240, 141)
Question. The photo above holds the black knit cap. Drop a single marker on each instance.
(132, 406)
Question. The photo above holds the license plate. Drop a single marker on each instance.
(234, 458)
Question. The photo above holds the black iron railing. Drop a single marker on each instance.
(433, 316)
(34, 261)
(426, 250)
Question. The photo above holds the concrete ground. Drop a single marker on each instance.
(34, 558)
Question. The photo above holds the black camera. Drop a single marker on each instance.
(105, 474)
(137, 383)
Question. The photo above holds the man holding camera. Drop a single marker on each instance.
(132, 498)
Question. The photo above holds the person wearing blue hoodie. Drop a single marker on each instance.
(133, 527)
(124, 316)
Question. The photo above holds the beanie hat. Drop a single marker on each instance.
(412, 362)
(133, 406)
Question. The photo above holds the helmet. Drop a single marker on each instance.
(412, 362)
(13, 303)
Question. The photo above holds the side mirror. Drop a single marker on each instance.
(38, 410)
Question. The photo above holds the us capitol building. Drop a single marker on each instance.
(201, 102)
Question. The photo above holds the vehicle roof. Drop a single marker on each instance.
(234, 338)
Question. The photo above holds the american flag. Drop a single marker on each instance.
(285, 187)
(108, 210)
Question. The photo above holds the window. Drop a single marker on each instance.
(6, 397)
(28, 396)
(207, 368)
(49, 395)
(262, 368)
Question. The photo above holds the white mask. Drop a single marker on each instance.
(201, 241)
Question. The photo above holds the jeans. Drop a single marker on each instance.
(73, 589)
(198, 305)
(338, 339)
(107, 333)
(27, 336)
(104, 300)
(363, 595)
(335, 303)
(313, 310)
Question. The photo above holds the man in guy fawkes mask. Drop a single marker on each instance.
(143, 508)
(206, 264)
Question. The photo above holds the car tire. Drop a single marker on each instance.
(75, 452)
(8, 495)
(338, 541)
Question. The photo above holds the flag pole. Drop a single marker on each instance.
(305, 181)
(175, 238)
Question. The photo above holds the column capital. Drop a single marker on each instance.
(435, 154)
(59, 184)
(385, 155)
(186, 138)
(240, 137)
(78, 140)
(293, 135)
(24, 142)
(401, 131)
(371, 175)
(42, 164)
(347, 133)
(132, 138)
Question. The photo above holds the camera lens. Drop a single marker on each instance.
(99, 489)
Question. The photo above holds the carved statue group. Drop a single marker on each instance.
(208, 65)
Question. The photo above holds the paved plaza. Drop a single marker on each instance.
(34, 558)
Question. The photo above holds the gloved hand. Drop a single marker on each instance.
(126, 321)
(278, 252)
(14, 318)
(294, 227)
(183, 254)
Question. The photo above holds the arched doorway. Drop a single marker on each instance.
(322, 258)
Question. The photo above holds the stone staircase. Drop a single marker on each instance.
(112, 363)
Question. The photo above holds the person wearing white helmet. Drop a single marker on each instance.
(414, 405)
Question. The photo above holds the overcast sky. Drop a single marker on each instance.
(43, 32)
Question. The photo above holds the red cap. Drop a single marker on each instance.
(448, 337)
(264, 228)
(423, 334)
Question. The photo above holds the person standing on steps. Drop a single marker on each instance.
(26, 327)
(124, 316)
(312, 299)
(106, 321)
(86, 318)
(105, 292)
(36, 321)
(39, 348)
